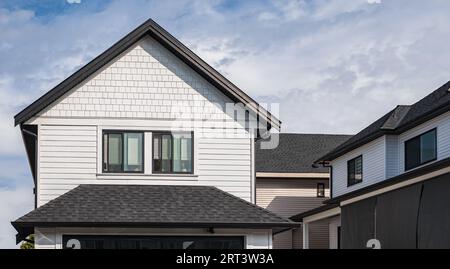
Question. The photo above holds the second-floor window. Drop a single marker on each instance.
(123, 152)
(420, 149)
(173, 153)
(320, 189)
(354, 171)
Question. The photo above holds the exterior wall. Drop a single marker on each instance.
(392, 156)
(374, 166)
(442, 125)
(51, 238)
(148, 89)
(288, 197)
(384, 157)
(334, 223)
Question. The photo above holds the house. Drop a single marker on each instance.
(390, 183)
(140, 149)
(287, 184)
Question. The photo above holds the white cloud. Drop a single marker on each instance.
(334, 66)
(13, 204)
(74, 1)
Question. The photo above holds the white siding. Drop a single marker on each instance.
(51, 238)
(149, 89)
(374, 164)
(442, 125)
(334, 223)
(392, 156)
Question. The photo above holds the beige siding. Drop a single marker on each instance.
(288, 197)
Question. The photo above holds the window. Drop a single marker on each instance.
(172, 153)
(320, 190)
(123, 152)
(354, 171)
(420, 149)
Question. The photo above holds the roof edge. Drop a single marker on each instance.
(168, 41)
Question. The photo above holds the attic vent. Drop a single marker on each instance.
(448, 90)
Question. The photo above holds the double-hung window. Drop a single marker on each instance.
(123, 152)
(173, 153)
(355, 171)
(420, 149)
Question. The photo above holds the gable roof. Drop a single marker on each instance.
(296, 153)
(169, 42)
(149, 206)
(396, 121)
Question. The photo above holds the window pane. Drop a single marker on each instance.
(412, 153)
(166, 153)
(105, 152)
(156, 153)
(428, 146)
(182, 147)
(133, 152)
(351, 171)
(358, 169)
(114, 152)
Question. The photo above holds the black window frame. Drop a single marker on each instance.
(320, 186)
(121, 132)
(171, 161)
(406, 167)
(351, 182)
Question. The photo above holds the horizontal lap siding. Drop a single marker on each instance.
(374, 164)
(67, 158)
(442, 125)
(288, 197)
(226, 164)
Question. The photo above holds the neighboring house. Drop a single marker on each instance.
(391, 181)
(286, 182)
(137, 150)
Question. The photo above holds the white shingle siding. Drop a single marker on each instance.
(143, 83)
(373, 167)
(137, 92)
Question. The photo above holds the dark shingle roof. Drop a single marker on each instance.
(397, 120)
(296, 153)
(150, 206)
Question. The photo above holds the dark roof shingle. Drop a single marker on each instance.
(151, 206)
(296, 153)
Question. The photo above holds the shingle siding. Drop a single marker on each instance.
(143, 83)
(137, 91)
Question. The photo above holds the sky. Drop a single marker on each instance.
(334, 66)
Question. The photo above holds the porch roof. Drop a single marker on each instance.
(159, 206)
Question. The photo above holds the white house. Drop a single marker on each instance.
(144, 148)
(390, 183)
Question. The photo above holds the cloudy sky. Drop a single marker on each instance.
(333, 65)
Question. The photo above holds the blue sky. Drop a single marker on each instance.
(333, 65)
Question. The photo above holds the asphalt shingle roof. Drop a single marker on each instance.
(398, 120)
(296, 153)
(152, 205)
